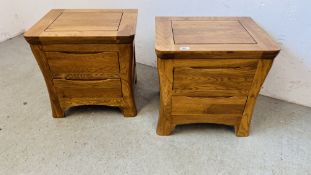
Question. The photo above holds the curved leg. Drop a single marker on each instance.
(263, 68)
(164, 127)
(165, 123)
(128, 111)
(126, 74)
(57, 111)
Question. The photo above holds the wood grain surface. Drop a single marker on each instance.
(70, 65)
(91, 26)
(210, 37)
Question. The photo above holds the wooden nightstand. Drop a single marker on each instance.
(211, 70)
(87, 57)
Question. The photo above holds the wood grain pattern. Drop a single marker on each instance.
(185, 105)
(201, 78)
(71, 65)
(32, 35)
(264, 66)
(216, 40)
(90, 26)
(84, 48)
(127, 68)
(96, 88)
(57, 111)
(71, 102)
(86, 21)
(84, 58)
(68, 90)
(196, 87)
(216, 63)
(210, 32)
(165, 123)
(211, 70)
(225, 119)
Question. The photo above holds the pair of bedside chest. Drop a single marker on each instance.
(211, 69)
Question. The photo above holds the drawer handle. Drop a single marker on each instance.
(210, 96)
(83, 77)
(78, 53)
(215, 67)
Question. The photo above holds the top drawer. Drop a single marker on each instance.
(71, 66)
(217, 80)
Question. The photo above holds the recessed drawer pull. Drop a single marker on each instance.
(79, 53)
(88, 76)
(214, 67)
(215, 97)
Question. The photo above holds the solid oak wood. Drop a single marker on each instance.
(165, 123)
(224, 119)
(211, 70)
(69, 65)
(185, 105)
(264, 65)
(91, 26)
(87, 57)
(210, 32)
(92, 89)
(201, 78)
(57, 110)
(166, 46)
(86, 21)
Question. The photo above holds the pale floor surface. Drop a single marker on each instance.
(99, 140)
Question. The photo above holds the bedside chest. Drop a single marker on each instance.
(87, 57)
(211, 70)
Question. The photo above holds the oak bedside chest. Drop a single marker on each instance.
(211, 70)
(86, 57)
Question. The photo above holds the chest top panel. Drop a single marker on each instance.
(86, 21)
(201, 35)
(86, 26)
(210, 32)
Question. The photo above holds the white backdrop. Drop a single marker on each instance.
(287, 21)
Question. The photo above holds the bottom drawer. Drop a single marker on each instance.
(109, 88)
(184, 105)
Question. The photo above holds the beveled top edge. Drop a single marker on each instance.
(100, 10)
(127, 27)
(265, 42)
(195, 18)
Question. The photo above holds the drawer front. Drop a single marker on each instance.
(217, 80)
(183, 105)
(67, 89)
(75, 66)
